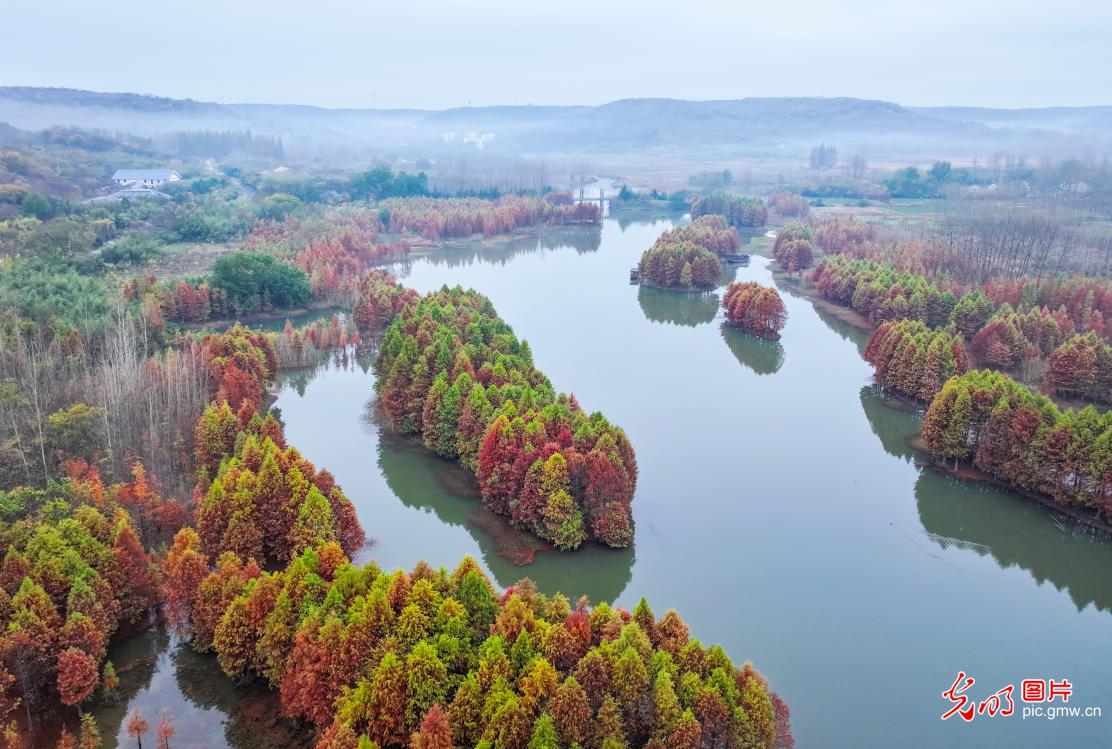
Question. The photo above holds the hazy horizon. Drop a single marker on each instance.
(342, 54)
(210, 100)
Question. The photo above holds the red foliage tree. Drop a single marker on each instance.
(77, 676)
(755, 309)
(183, 570)
(435, 733)
(132, 577)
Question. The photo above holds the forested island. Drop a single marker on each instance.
(687, 257)
(755, 309)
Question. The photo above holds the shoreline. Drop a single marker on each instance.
(806, 290)
(859, 321)
(966, 471)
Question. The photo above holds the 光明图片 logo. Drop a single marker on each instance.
(1037, 695)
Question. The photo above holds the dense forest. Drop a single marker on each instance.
(432, 658)
(1012, 325)
(738, 210)
(794, 246)
(674, 265)
(915, 360)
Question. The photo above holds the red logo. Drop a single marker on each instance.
(963, 705)
(1000, 702)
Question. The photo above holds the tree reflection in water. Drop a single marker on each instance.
(1013, 530)
(688, 308)
(761, 356)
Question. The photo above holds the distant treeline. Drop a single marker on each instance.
(382, 182)
(213, 144)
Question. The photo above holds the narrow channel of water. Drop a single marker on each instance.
(779, 509)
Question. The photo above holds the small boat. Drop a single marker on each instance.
(633, 275)
(737, 259)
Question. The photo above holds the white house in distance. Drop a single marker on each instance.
(145, 177)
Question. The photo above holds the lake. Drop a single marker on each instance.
(778, 509)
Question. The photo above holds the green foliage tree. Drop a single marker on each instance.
(255, 282)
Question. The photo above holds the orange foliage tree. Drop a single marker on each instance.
(755, 309)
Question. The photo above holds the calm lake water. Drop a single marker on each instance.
(778, 509)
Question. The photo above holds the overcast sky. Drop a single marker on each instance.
(420, 53)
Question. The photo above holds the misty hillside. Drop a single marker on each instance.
(758, 127)
(1094, 121)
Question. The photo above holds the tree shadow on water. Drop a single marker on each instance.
(1011, 529)
(688, 308)
(251, 712)
(501, 250)
(761, 356)
(426, 481)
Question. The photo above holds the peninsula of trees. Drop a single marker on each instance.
(1023, 440)
(913, 359)
(452, 371)
(432, 658)
(1055, 326)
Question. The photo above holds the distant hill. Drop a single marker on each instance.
(758, 127)
(1071, 120)
(73, 97)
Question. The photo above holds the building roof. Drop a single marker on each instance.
(139, 175)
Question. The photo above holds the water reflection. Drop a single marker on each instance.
(677, 307)
(161, 675)
(965, 515)
(251, 712)
(136, 660)
(627, 217)
(845, 330)
(581, 239)
(761, 356)
(427, 482)
(892, 422)
(300, 379)
(1062, 552)
(501, 251)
